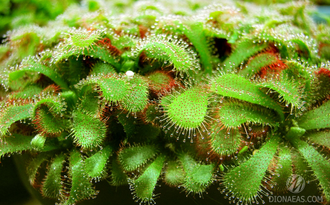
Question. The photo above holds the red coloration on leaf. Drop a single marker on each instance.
(204, 149)
(143, 59)
(323, 71)
(274, 68)
(18, 101)
(5, 56)
(162, 89)
(107, 43)
(107, 111)
(321, 46)
(256, 132)
(143, 31)
(37, 122)
(255, 136)
(52, 89)
(90, 28)
(143, 115)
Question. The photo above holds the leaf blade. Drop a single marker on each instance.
(52, 186)
(133, 157)
(144, 185)
(245, 180)
(238, 87)
(96, 164)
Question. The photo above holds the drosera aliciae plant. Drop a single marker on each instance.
(231, 94)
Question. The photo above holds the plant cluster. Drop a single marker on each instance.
(232, 94)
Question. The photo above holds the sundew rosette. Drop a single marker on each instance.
(233, 96)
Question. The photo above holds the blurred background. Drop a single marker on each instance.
(16, 13)
(12, 190)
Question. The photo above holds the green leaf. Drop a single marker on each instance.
(187, 161)
(318, 163)
(137, 97)
(83, 38)
(174, 174)
(94, 51)
(294, 133)
(188, 109)
(256, 63)
(279, 41)
(102, 68)
(102, 54)
(70, 99)
(48, 116)
(318, 118)
(30, 91)
(195, 34)
(234, 114)
(303, 48)
(300, 165)
(244, 181)
(237, 57)
(132, 158)
(81, 186)
(123, 41)
(160, 47)
(118, 176)
(235, 86)
(297, 72)
(55, 105)
(88, 131)
(114, 89)
(52, 185)
(198, 176)
(34, 165)
(15, 143)
(89, 100)
(225, 142)
(48, 123)
(38, 141)
(159, 82)
(131, 93)
(144, 185)
(72, 69)
(319, 137)
(83, 42)
(26, 35)
(95, 165)
(31, 65)
(289, 89)
(11, 114)
(283, 170)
